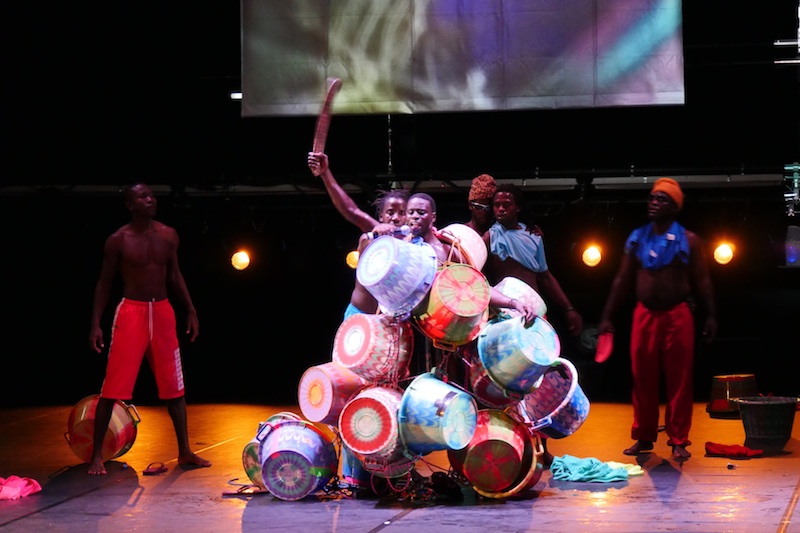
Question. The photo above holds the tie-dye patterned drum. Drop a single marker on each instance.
(486, 392)
(119, 437)
(557, 407)
(516, 356)
(457, 306)
(397, 273)
(251, 455)
(297, 459)
(375, 347)
(519, 290)
(324, 390)
(435, 415)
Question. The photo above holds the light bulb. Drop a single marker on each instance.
(240, 260)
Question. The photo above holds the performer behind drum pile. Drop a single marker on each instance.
(390, 207)
(144, 251)
(515, 252)
(664, 264)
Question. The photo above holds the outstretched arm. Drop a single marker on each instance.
(178, 285)
(620, 288)
(551, 289)
(702, 285)
(102, 290)
(318, 163)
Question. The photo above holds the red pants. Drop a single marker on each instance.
(143, 329)
(662, 345)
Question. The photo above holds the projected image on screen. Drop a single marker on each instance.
(418, 56)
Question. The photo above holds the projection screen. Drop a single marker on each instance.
(423, 56)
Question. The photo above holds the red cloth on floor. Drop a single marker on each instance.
(16, 487)
(731, 450)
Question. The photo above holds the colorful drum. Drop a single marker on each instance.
(486, 392)
(375, 347)
(369, 428)
(297, 459)
(469, 242)
(251, 455)
(516, 356)
(397, 273)
(119, 437)
(529, 473)
(324, 390)
(457, 306)
(435, 415)
(557, 407)
(494, 457)
(519, 290)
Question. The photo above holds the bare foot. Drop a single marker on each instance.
(641, 446)
(97, 467)
(680, 453)
(193, 460)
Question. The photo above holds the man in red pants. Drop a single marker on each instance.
(666, 265)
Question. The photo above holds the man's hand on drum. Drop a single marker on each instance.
(383, 229)
(528, 311)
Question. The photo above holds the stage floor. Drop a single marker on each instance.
(702, 494)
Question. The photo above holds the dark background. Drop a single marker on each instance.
(95, 99)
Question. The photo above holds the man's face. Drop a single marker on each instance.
(660, 206)
(141, 201)
(420, 218)
(505, 208)
(394, 212)
(481, 209)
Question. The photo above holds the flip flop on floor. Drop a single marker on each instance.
(155, 469)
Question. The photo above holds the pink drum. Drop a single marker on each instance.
(324, 390)
(375, 347)
(469, 241)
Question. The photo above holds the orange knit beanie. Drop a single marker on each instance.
(671, 188)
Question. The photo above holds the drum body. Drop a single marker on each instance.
(297, 459)
(494, 457)
(486, 392)
(456, 308)
(434, 415)
(470, 242)
(374, 347)
(558, 406)
(397, 273)
(369, 428)
(251, 454)
(119, 437)
(515, 356)
(324, 390)
(519, 290)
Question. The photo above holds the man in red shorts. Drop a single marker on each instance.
(144, 252)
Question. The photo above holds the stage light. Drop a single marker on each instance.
(352, 259)
(240, 260)
(723, 253)
(592, 255)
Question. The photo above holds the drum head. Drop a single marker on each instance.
(470, 242)
(368, 423)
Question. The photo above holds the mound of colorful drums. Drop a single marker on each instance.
(119, 437)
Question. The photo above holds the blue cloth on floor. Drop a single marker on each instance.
(569, 468)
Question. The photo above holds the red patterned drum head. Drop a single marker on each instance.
(324, 390)
(368, 423)
(374, 347)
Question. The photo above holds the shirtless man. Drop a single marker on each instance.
(665, 264)
(144, 252)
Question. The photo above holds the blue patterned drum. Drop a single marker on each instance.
(297, 459)
(558, 407)
(515, 356)
(435, 415)
(521, 291)
(397, 273)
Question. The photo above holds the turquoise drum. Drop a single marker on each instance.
(516, 356)
(435, 415)
(397, 273)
